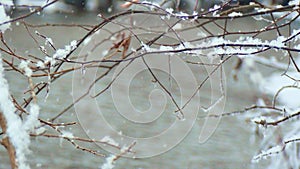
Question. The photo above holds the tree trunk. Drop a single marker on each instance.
(7, 144)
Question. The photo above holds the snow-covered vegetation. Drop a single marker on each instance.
(266, 57)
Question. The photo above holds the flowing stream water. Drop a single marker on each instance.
(232, 145)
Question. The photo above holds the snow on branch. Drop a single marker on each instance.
(275, 150)
(213, 37)
(3, 16)
(270, 152)
(17, 134)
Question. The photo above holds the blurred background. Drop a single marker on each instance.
(114, 5)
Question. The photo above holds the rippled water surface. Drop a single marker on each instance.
(231, 146)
